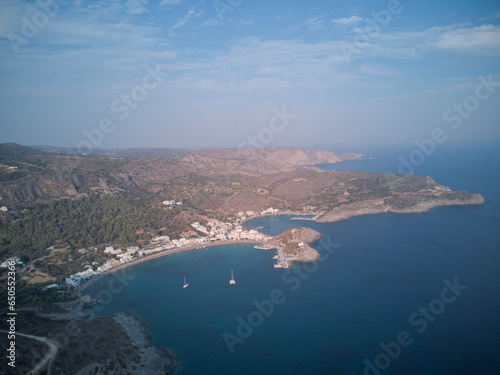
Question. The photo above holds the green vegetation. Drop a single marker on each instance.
(27, 294)
(93, 220)
(11, 175)
(386, 178)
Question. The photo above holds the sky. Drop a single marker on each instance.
(237, 73)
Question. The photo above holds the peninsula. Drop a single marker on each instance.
(66, 214)
(68, 220)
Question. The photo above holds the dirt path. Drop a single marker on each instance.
(227, 201)
(49, 357)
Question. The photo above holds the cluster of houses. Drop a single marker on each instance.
(217, 230)
(242, 216)
(121, 257)
(172, 203)
(269, 211)
(214, 230)
(8, 167)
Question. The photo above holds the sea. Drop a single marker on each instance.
(392, 294)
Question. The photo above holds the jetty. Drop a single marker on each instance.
(281, 262)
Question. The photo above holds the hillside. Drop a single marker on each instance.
(107, 199)
(280, 155)
(158, 153)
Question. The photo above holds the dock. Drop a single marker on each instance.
(281, 262)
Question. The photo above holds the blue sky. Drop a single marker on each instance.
(348, 72)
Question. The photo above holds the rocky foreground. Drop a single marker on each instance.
(116, 344)
(154, 360)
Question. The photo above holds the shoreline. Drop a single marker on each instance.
(166, 253)
(338, 214)
(377, 207)
(286, 212)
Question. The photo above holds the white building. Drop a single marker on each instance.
(52, 286)
(196, 225)
(161, 239)
(269, 210)
(126, 258)
(233, 236)
(106, 266)
(79, 277)
(112, 250)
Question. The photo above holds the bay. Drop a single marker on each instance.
(332, 317)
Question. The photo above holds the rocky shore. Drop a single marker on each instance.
(295, 244)
(153, 360)
(114, 344)
(405, 203)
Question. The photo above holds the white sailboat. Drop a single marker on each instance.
(185, 283)
(232, 282)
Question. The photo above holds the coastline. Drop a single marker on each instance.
(342, 213)
(287, 212)
(166, 253)
(378, 206)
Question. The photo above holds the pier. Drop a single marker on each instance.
(281, 262)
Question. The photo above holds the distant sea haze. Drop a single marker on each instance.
(396, 294)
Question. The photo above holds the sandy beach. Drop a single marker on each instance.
(165, 253)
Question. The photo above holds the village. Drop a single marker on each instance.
(213, 231)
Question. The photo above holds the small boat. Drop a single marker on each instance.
(185, 283)
(232, 282)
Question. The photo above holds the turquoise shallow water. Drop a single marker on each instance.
(331, 318)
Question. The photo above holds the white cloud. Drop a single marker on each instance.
(211, 22)
(192, 13)
(481, 40)
(463, 39)
(315, 23)
(246, 22)
(11, 15)
(98, 10)
(75, 57)
(136, 6)
(170, 2)
(458, 38)
(378, 70)
(347, 21)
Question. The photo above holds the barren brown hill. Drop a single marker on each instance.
(280, 155)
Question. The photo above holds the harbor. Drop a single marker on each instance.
(281, 261)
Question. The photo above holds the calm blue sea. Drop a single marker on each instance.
(384, 279)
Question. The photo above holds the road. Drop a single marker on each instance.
(49, 357)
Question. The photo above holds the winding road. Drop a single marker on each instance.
(49, 357)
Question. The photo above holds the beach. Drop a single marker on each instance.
(162, 254)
